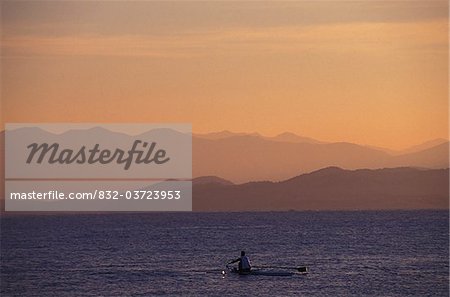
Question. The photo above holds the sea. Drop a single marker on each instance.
(357, 253)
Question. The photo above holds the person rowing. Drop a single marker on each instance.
(244, 263)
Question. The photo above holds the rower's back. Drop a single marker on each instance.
(244, 263)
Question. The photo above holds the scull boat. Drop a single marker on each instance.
(263, 271)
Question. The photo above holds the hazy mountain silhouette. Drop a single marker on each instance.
(242, 158)
(332, 189)
(424, 146)
(413, 149)
(223, 134)
(204, 180)
(291, 137)
(283, 137)
(434, 157)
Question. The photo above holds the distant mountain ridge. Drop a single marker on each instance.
(243, 157)
(282, 137)
(204, 180)
(332, 188)
(248, 157)
(424, 146)
(225, 163)
(292, 137)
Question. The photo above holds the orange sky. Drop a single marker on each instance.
(369, 72)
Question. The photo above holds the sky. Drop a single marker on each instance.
(367, 72)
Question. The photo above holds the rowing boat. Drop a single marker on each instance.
(265, 272)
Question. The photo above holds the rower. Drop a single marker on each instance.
(244, 263)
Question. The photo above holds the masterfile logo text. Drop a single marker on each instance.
(119, 163)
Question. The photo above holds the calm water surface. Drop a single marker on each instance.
(395, 253)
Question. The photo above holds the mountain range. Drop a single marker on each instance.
(241, 171)
(241, 157)
(330, 188)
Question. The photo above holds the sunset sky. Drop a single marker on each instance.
(369, 72)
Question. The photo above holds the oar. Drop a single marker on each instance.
(299, 269)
